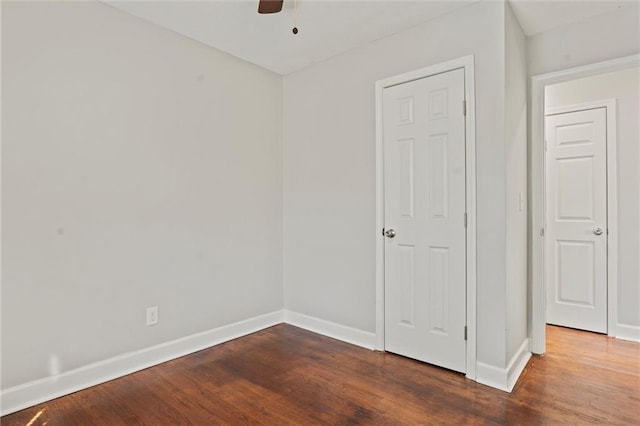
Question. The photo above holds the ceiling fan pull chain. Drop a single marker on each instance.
(295, 17)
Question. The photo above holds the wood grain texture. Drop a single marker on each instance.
(288, 376)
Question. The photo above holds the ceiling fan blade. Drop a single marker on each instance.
(269, 6)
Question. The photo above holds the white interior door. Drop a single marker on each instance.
(424, 192)
(576, 219)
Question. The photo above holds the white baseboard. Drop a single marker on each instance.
(628, 332)
(491, 376)
(504, 378)
(38, 391)
(518, 363)
(331, 329)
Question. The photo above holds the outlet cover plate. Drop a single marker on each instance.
(152, 315)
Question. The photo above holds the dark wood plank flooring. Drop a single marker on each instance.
(285, 375)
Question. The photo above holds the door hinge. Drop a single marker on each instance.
(383, 232)
(465, 332)
(464, 107)
(465, 220)
(542, 232)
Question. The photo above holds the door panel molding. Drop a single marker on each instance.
(466, 63)
(536, 164)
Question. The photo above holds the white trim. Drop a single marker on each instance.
(518, 364)
(538, 83)
(467, 63)
(351, 335)
(583, 106)
(505, 378)
(628, 332)
(35, 392)
(379, 219)
(492, 376)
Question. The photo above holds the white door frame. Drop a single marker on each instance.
(467, 63)
(538, 290)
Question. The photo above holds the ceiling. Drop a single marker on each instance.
(327, 27)
(537, 16)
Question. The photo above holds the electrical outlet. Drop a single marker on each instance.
(152, 315)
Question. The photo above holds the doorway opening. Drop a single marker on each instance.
(575, 196)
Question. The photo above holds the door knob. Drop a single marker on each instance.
(390, 233)
(598, 231)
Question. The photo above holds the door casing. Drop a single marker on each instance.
(536, 201)
(467, 63)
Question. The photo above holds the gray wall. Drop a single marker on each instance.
(602, 37)
(139, 168)
(516, 186)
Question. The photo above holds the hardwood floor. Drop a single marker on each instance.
(285, 375)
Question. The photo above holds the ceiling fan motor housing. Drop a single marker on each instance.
(270, 6)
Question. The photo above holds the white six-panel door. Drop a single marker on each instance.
(424, 193)
(576, 219)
